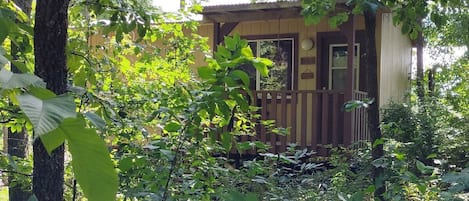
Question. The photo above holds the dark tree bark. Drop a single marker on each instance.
(419, 42)
(17, 142)
(18, 146)
(371, 66)
(431, 82)
(50, 38)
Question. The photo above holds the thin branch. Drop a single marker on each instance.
(15, 172)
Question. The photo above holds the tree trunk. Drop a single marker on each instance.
(18, 146)
(50, 38)
(17, 142)
(371, 66)
(420, 88)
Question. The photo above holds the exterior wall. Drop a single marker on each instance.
(290, 26)
(395, 60)
(287, 26)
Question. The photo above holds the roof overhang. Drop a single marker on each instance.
(252, 12)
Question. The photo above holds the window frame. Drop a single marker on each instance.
(332, 68)
(274, 37)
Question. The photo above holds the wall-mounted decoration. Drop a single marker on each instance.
(307, 74)
(307, 60)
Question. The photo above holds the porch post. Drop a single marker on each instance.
(348, 29)
(219, 32)
(216, 35)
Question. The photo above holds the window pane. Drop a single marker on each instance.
(338, 65)
(339, 56)
(280, 52)
(338, 79)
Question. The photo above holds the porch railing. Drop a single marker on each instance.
(314, 119)
(360, 131)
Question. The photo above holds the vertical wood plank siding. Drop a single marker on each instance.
(314, 119)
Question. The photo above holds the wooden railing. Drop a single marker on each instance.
(314, 119)
(360, 118)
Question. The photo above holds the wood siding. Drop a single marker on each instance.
(287, 26)
(395, 62)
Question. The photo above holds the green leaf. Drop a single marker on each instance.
(222, 52)
(96, 120)
(41, 93)
(9, 80)
(3, 60)
(377, 142)
(91, 162)
(230, 43)
(226, 141)
(172, 127)
(247, 52)
(52, 140)
(206, 73)
(405, 28)
(423, 168)
(312, 20)
(261, 65)
(168, 153)
(46, 115)
(243, 76)
(125, 164)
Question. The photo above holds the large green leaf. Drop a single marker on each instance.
(243, 76)
(91, 162)
(52, 140)
(9, 80)
(46, 115)
(261, 65)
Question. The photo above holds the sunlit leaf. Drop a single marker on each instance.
(9, 80)
(91, 162)
(46, 115)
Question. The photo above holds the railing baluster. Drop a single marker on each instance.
(283, 119)
(325, 122)
(315, 131)
(273, 136)
(335, 118)
(264, 108)
(304, 104)
(293, 113)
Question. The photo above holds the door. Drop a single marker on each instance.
(332, 61)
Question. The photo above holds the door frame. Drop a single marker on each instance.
(323, 40)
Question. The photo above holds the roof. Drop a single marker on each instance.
(212, 3)
(237, 11)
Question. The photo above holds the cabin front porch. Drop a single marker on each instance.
(314, 119)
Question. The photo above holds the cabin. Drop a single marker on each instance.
(316, 70)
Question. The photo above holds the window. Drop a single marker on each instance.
(338, 66)
(280, 51)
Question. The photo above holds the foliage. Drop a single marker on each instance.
(170, 134)
(46, 112)
(190, 118)
(427, 146)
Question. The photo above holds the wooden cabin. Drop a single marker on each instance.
(313, 73)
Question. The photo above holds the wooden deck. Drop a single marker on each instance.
(314, 119)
